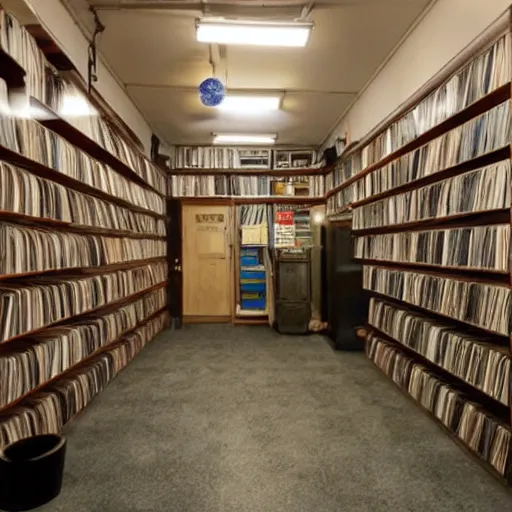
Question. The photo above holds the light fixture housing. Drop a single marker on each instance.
(238, 138)
(250, 103)
(246, 32)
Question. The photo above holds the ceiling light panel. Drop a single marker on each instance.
(235, 138)
(250, 104)
(253, 32)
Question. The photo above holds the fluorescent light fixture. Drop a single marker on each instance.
(222, 31)
(235, 138)
(246, 104)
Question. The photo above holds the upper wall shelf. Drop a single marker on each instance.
(489, 101)
(279, 173)
(91, 147)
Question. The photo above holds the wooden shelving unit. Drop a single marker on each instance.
(97, 310)
(489, 101)
(397, 359)
(82, 363)
(91, 147)
(78, 272)
(137, 285)
(42, 171)
(69, 227)
(277, 173)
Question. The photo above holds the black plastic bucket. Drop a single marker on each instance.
(31, 472)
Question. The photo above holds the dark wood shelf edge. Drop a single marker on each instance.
(503, 479)
(42, 171)
(494, 156)
(244, 320)
(78, 272)
(499, 338)
(233, 200)
(275, 173)
(75, 318)
(64, 226)
(281, 200)
(88, 359)
(489, 101)
(470, 390)
(91, 147)
(446, 271)
(485, 279)
(459, 220)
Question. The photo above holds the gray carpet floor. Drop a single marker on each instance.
(217, 418)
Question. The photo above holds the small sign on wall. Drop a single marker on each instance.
(209, 218)
(284, 230)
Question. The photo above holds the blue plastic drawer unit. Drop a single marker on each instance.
(253, 301)
(249, 257)
(258, 275)
(249, 261)
(253, 286)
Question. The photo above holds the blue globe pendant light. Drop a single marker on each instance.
(212, 92)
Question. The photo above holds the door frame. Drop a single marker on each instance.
(206, 201)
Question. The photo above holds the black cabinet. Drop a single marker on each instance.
(346, 301)
(293, 305)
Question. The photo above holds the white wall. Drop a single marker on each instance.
(66, 33)
(442, 33)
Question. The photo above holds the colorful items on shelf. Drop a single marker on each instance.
(253, 283)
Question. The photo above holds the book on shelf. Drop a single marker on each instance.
(25, 194)
(205, 157)
(34, 361)
(486, 435)
(481, 190)
(480, 136)
(489, 71)
(48, 410)
(82, 258)
(44, 301)
(244, 186)
(478, 248)
(486, 73)
(45, 85)
(473, 359)
(26, 250)
(478, 304)
(39, 144)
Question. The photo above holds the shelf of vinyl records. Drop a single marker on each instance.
(61, 106)
(429, 195)
(243, 186)
(83, 267)
(423, 145)
(254, 159)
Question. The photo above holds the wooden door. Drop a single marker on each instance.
(206, 263)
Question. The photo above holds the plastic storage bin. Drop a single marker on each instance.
(31, 472)
(253, 286)
(253, 301)
(258, 275)
(249, 261)
(249, 257)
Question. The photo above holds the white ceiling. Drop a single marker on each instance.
(151, 46)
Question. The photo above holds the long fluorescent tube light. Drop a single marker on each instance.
(249, 104)
(232, 138)
(221, 31)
